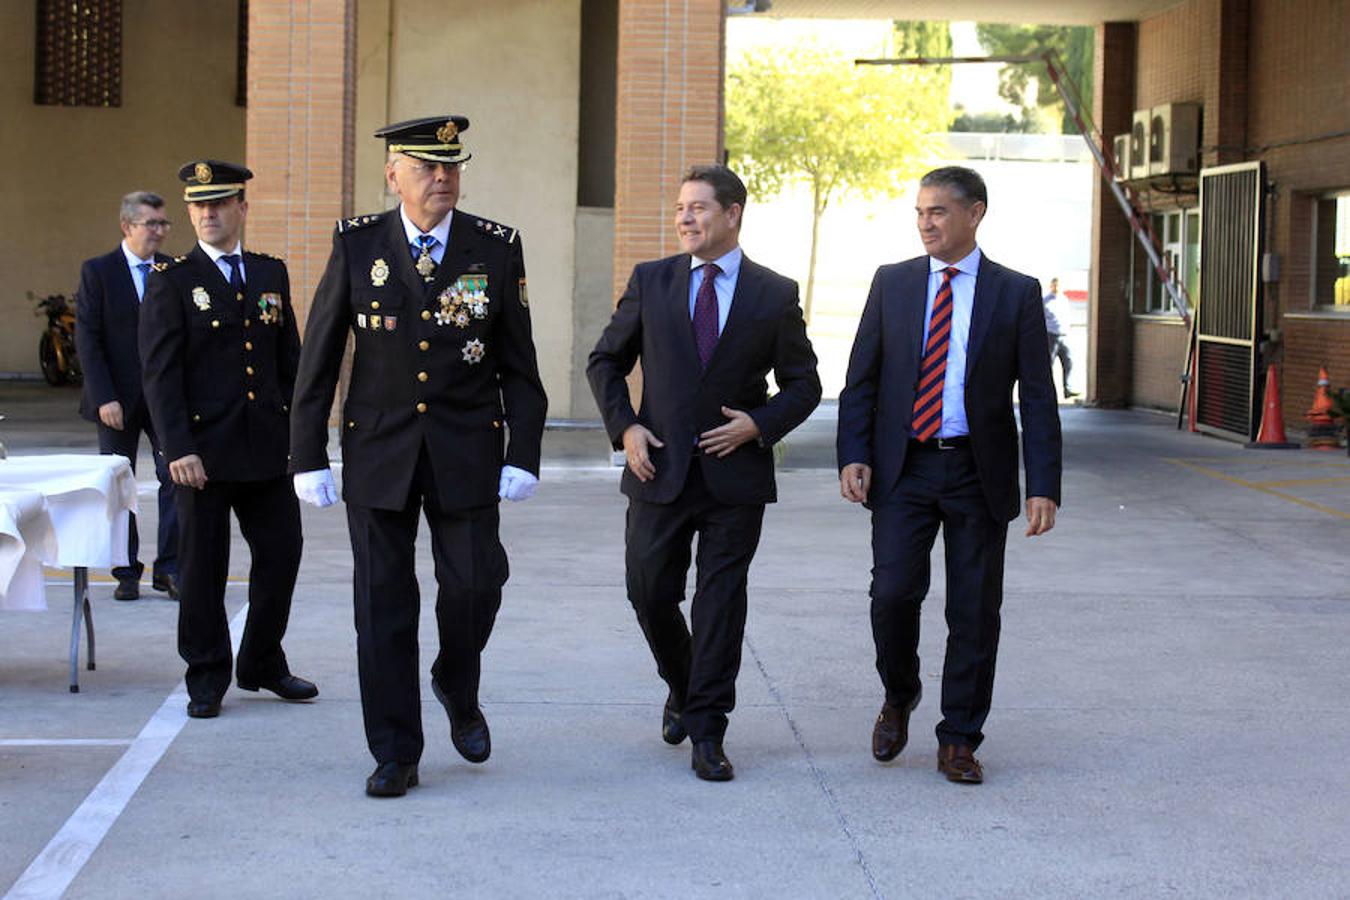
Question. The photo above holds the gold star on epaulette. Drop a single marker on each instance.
(501, 232)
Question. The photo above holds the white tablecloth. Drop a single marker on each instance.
(27, 537)
(87, 496)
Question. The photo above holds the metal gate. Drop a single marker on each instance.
(1228, 316)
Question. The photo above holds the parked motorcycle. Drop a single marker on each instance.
(56, 347)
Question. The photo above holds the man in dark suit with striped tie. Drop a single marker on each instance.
(927, 438)
(708, 325)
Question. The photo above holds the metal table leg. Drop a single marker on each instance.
(82, 610)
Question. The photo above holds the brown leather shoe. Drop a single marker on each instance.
(958, 763)
(891, 732)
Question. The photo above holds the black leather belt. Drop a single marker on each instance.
(960, 442)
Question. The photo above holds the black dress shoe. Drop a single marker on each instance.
(672, 729)
(391, 779)
(127, 589)
(468, 731)
(891, 732)
(287, 687)
(203, 709)
(167, 584)
(710, 763)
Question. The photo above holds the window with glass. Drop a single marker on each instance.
(1178, 233)
(1331, 252)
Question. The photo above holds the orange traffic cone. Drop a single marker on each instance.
(1322, 427)
(1271, 436)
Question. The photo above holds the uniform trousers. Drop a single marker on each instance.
(127, 443)
(698, 659)
(269, 520)
(939, 488)
(471, 567)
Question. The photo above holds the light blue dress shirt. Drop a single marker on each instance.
(217, 257)
(724, 285)
(963, 301)
(441, 233)
(137, 276)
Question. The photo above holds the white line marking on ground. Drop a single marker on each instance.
(52, 871)
(65, 742)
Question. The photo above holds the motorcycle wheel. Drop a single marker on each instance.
(51, 366)
(74, 375)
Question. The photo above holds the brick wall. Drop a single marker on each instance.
(1109, 335)
(1159, 350)
(301, 97)
(669, 117)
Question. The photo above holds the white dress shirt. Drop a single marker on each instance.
(963, 302)
(724, 284)
(217, 257)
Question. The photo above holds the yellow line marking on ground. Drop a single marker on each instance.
(1255, 486)
(63, 576)
(1312, 461)
(1292, 482)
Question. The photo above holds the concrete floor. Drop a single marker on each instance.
(1170, 717)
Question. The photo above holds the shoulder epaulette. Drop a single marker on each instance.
(158, 266)
(263, 255)
(502, 232)
(355, 223)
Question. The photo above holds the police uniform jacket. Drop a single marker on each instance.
(449, 364)
(219, 369)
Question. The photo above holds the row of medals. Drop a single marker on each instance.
(461, 303)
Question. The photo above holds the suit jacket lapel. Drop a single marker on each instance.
(982, 311)
(743, 300)
(913, 297)
(126, 282)
(215, 282)
(681, 323)
(398, 253)
(456, 257)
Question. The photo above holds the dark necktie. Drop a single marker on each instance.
(927, 417)
(236, 277)
(705, 314)
(144, 269)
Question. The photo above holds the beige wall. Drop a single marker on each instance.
(513, 68)
(66, 168)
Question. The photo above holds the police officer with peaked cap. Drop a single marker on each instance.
(443, 417)
(219, 350)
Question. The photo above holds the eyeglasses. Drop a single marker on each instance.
(155, 223)
(430, 167)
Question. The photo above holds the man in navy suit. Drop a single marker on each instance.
(107, 312)
(708, 326)
(927, 438)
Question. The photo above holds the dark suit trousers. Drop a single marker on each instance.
(471, 568)
(269, 519)
(127, 443)
(699, 665)
(939, 487)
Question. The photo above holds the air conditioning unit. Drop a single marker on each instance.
(1120, 149)
(1139, 144)
(1174, 139)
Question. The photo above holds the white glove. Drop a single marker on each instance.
(516, 484)
(316, 487)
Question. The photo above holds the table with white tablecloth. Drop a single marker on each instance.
(68, 510)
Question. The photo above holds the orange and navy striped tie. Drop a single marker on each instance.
(927, 418)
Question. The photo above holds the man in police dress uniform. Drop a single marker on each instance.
(443, 417)
(219, 349)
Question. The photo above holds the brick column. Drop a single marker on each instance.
(1109, 324)
(299, 143)
(1227, 82)
(669, 116)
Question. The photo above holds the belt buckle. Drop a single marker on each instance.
(944, 444)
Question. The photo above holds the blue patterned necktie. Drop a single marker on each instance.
(144, 269)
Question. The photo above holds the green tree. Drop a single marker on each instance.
(805, 113)
(1072, 43)
(927, 39)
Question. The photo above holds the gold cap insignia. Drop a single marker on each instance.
(203, 173)
(447, 132)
